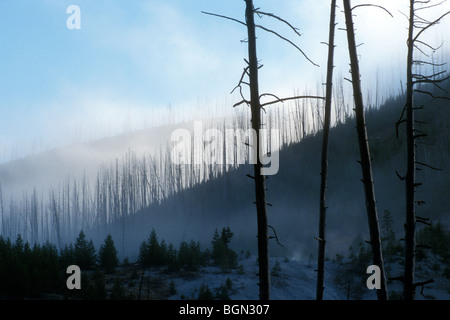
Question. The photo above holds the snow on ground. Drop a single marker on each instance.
(295, 280)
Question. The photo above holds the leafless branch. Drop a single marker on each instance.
(241, 81)
(225, 17)
(431, 6)
(289, 41)
(319, 239)
(432, 95)
(280, 19)
(275, 235)
(269, 94)
(420, 50)
(241, 102)
(404, 14)
(399, 176)
(429, 77)
(425, 80)
(428, 166)
(423, 220)
(428, 26)
(422, 284)
(372, 5)
(291, 98)
(421, 62)
(419, 19)
(400, 120)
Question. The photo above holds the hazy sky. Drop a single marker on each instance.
(131, 59)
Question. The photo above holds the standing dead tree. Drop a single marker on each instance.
(365, 161)
(251, 70)
(55, 209)
(414, 43)
(3, 230)
(324, 162)
(260, 188)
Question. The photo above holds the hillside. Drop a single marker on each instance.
(293, 192)
(226, 200)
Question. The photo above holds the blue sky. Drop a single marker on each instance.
(131, 59)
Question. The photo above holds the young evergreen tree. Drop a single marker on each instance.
(205, 293)
(190, 255)
(67, 255)
(84, 252)
(171, 258)
(118, 291)
(221, 254)
(108, 255)
(151, 252)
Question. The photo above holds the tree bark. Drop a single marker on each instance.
(366, 166)
(324, 164)
(263, 245)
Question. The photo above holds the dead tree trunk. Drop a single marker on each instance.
(410, 225)
(324, 164)
(365, 161)
(252, 72)
(263, 240)
(415, 22)
(3, 230)
(55, 208)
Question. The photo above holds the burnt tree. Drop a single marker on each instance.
(260, 189)
(415, 22)
(365, 162)
(324, 162)
(251, 71)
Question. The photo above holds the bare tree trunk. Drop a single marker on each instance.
(263, 245)
(3, 213)
(324, 164)
(34, 216)
(410, 225)
(55, 208)
(365, 162)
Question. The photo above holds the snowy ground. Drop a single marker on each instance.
(425, 270)
(295, 280)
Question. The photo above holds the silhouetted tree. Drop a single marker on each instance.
(365, 161)
(84, 252)
(324, 162)
(251, 70)
(414, 43)
(108, 255)
(221, 254)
